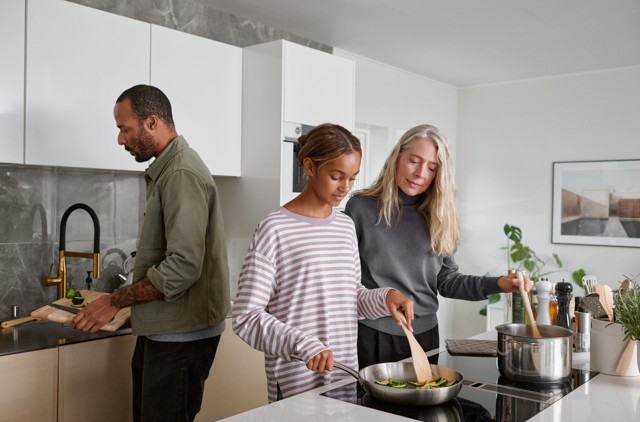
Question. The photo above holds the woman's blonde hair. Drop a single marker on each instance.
(438, 206)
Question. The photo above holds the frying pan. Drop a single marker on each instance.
(403, 371)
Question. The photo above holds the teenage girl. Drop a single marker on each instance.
(299, 290)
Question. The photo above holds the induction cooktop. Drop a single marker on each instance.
(485, 396)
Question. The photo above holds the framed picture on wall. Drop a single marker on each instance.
(596, 203)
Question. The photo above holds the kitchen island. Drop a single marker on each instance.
(599, 397)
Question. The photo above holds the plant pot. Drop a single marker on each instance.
(607, 344)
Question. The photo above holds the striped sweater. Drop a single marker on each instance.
(300, 292)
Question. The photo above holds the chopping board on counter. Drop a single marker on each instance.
(58, 315)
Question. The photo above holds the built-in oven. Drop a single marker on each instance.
(292, 174)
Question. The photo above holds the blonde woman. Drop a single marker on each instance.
(408, 231)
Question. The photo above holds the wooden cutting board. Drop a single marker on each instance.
(58, 315)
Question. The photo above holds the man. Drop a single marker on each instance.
(180, 294)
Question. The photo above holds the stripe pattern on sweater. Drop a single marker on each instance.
(300, 292)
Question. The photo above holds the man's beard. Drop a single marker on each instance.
(145, 142)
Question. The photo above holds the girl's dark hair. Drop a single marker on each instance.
(327, 142)
(147, 100)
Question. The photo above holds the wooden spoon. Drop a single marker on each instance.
(420, 360)
(527, 305)
(16, 321)
(606, 299)
(625, 358)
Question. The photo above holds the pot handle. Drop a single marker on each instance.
(338, 365)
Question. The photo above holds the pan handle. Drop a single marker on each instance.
(338, 365)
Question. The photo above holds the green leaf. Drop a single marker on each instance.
(557, 259)
(519, 252)
(483, 310)
(577, 276)
(493, 298)
(516, 234)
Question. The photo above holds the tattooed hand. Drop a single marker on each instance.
(101, 311)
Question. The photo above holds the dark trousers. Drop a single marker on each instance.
(168, 378)
(378, 347)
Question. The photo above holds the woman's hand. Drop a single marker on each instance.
(321, 362)
(399, 304)
(509, 283)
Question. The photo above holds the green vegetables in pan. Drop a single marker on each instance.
(437, 382)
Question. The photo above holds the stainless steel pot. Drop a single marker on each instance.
(546, 360)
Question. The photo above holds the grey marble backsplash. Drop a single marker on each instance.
(32, 202)
(198, 18)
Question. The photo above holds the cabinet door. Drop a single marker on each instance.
(79, 60)
(318, 87)
(237, 381)
(95, 380)
(29, 386)
(12, 24)
(203, 80)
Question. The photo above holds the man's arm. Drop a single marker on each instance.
(100, 311)
(136, 294)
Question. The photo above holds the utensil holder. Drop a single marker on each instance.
(607, 345)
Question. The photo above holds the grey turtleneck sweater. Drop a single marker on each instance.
(400, 257)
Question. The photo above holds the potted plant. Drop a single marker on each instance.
(627, 309)
(522, 257)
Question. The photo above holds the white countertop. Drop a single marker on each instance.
(603, 398)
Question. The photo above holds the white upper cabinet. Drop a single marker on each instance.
(203, 80)
(79, 60)
(12, 24)
(318, 87)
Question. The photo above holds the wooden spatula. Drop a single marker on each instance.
(625, 357)
(606, 299)
(420, 360)
(527, 305)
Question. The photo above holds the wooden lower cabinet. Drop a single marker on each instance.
(237, 381)
(94, 382)
(29, 386)
(91, 381)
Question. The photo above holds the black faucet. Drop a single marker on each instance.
(61, 280)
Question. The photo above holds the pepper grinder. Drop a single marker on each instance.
(544, 296)
(563, 292)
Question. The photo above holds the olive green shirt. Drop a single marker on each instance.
(182, 248)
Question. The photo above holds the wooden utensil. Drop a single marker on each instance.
(606, 299)
(420, 360)
(16, 321)
(625, 357)
(53, 314)
(625, 284)
(592, 304)
(527, 305)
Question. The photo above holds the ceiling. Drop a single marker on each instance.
(464, 42)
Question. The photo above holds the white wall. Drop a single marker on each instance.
(392, 98)
(508, 137)
(399, 100)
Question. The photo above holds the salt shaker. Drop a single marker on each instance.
(563, 292)
(544, 296)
